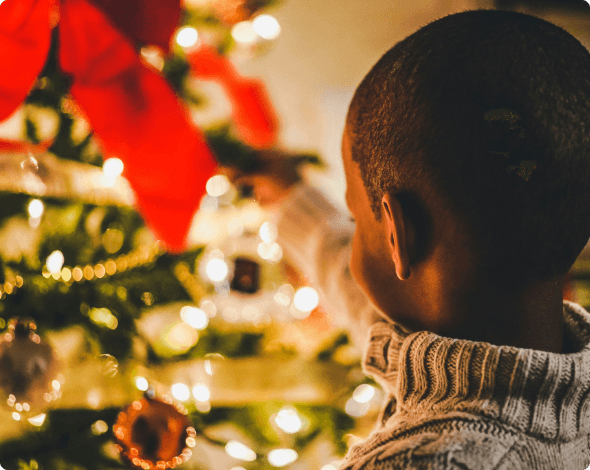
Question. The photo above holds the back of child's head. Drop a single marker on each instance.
(489, 111)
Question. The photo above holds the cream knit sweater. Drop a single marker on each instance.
(452, 404)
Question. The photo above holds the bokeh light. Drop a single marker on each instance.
(201, 392)
(244, 32)
(36, 208)
(113, 167)
(141, 383)
(216, 269)
(289, 421)
(266, 26)
(37, 420)
(282, 457)
(55, 262)
(306, 299)
(364, 393)
(187, 36)
(180, 391)
(237, 450)
(217, 185)
(195, 317)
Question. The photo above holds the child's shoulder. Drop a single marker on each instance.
(451, 443)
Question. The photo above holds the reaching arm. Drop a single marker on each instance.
(317, 239)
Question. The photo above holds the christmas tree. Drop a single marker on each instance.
(148, 317)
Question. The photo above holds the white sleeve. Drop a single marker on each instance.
(316, 238)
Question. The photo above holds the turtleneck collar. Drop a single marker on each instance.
(543, 394)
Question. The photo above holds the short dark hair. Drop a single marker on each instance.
(490, 110)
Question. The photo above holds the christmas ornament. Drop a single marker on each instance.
(154, 433)
(246, 276)
(29, 369)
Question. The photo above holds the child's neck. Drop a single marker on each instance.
(531, 319)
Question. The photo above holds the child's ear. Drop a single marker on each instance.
(400, 233)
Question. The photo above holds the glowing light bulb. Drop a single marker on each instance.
(201, 392)
(36, 208)
(195, 317)
(244, 32)
(141, 383)
(282, 457)
(216, 269)
(55, 384)
(217, 185)
(180, 391)
(99, 427)
(37, 420)
(266, 26)
(187, 36)
(112, 167)
(289, 421)
(237, 450)
(364, 393)
(55, 262)
(16, 416)
(306, 299)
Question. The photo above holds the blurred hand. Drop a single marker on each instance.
(273, 179)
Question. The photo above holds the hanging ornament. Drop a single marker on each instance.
(154, 433)
(29, 370)
(246, 276)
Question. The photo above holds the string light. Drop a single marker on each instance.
(195, 317)
(99, 427)
(266, 26)
(237, 450)
(364, 393)
(180, 391)
(187, 36)
(217, 185)
(289, 421)
(268, 232)
(306, 299)
(37, 420)
(201, 393)
(36, 208)
(282, 457)
(216, 269)
(54, 262)
(139, 257)
(113, 167)
(244, 32)
(141, 383)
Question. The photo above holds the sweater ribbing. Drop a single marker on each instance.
(543, 394)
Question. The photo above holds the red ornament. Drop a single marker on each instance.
(152, 433)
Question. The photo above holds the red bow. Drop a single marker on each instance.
(131, 108)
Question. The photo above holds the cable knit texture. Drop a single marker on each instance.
(453, 404)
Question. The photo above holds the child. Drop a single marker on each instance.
(467, 159)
